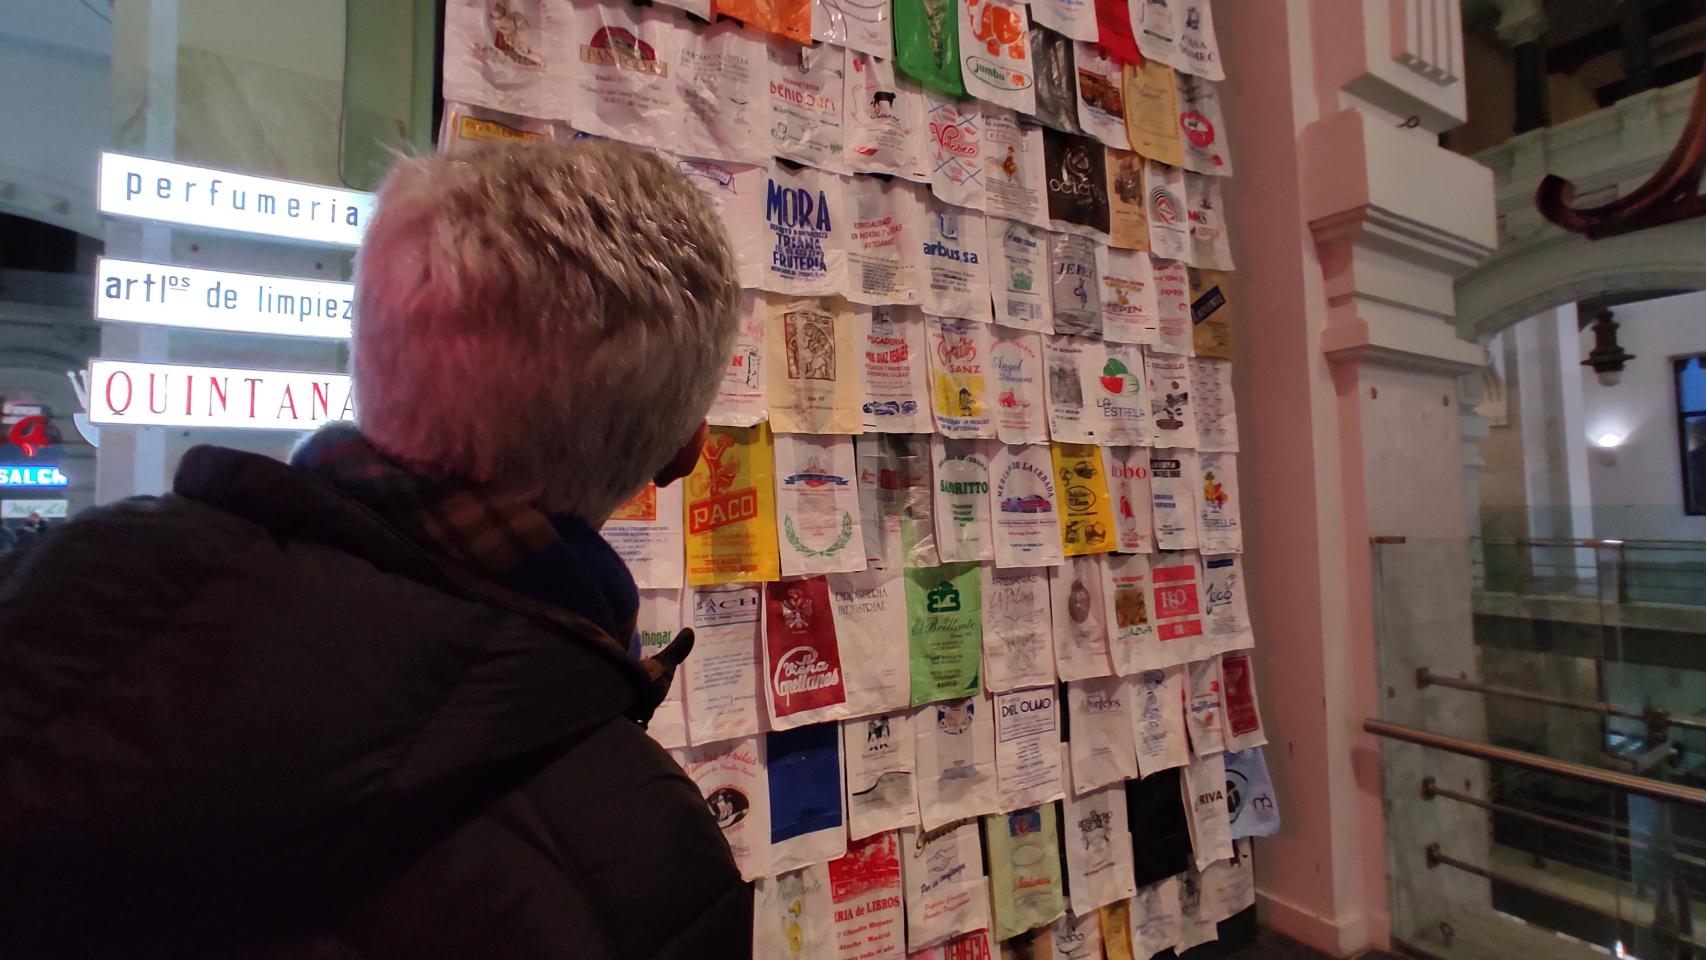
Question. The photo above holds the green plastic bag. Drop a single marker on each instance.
(944, 619)
(927, 44)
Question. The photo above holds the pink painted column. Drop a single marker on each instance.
(1348, 224)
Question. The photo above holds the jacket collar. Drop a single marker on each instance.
(299, 504)
(493, 532)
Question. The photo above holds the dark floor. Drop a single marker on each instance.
(1272, 946)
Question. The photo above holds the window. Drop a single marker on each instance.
(1691, 430)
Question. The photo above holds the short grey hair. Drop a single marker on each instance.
(550, 317)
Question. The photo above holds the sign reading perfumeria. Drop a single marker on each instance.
(129, 291)
(169, 395)
(200, 197)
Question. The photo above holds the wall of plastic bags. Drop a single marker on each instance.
(974, 664)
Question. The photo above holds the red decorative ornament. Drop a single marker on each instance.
(31, 434)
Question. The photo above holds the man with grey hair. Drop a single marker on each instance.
(383, 701)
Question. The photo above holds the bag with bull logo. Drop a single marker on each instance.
(885, 119)
(802, 662)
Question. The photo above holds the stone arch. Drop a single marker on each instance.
(1536, 275)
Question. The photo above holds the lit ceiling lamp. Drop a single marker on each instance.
(1607, 356)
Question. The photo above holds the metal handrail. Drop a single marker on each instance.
(1437, 857)
(1610, 779)
(1654, 717)
(1593, 543)
(1431, 789)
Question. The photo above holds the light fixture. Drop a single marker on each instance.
(1609, 440)
(1607, 357)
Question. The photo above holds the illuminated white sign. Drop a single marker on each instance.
(45, 509)
(23, 475)
(200, 197)
(167, 395)
(132, 292)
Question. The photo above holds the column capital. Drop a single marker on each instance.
(1395, 219)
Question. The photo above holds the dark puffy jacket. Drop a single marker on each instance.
(251, 719)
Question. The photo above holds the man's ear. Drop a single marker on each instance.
(685, 459)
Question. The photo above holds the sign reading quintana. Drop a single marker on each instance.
(168, 395)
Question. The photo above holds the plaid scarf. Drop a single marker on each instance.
(497, 535)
